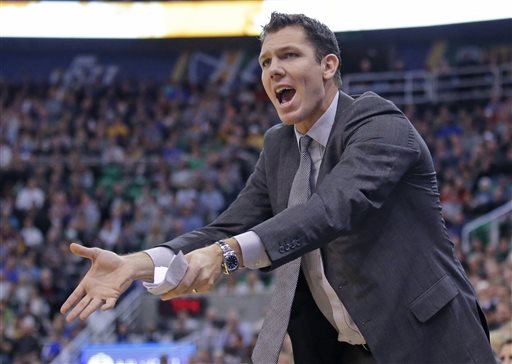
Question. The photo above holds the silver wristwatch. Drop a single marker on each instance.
(231, 262)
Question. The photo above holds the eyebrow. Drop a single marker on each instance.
(279, 50)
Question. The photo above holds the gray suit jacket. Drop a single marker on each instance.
(377, 218)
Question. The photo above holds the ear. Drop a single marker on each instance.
(329, 66)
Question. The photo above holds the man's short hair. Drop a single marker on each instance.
(319, 35)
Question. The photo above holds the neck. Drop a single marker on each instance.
(330, 93)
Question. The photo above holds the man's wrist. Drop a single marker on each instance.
(233, 244)
(140, 266)
(230, 254)
(230, 261)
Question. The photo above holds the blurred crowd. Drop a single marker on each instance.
(127, 165)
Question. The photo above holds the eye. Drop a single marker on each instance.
(265, 63)
(290, 55)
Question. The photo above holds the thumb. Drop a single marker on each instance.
(82, 251)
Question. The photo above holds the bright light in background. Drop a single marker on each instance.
(343, 15)
(74, 19)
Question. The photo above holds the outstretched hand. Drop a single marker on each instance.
(108, 277)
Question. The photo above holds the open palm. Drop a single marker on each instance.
(108, 277)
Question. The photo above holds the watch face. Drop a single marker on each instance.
(231, 262)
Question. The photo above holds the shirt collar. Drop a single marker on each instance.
(321, 129)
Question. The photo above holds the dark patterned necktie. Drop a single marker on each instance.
(274, 327)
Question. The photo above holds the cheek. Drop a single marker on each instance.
(314, 90)
(266, 86)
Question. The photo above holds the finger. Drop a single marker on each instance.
(180, 290)
(78, 308)
(204, 281)
(82, 251)
(186, 283)
(168, 296)
(110, 303)
(91, 307)
(73, 298)
(205, 288)
(208, 283)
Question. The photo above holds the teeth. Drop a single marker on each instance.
(279, 93)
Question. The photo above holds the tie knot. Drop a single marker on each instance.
(304, 143)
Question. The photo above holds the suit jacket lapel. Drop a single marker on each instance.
(288, 165)
(335, 145)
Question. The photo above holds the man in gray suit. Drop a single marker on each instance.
(351, 223)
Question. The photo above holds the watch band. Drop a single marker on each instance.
(224, 246)
(230, 259)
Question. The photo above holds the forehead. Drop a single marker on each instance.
(291, 36)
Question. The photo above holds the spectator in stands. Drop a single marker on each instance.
(183, 325)
(155, 234)
(30, 196)
(27, 345)
(251, 285)
(234, 337)
(5, 155)
(123, 332)
(6, 344)
(5, 286)
(48, 289)
(32, 235)
(201, 356)
(207, 335)
(51, 348)
(505, 353)
(212, 199)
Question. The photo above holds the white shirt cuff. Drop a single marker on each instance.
(253, 250)
(161, 256)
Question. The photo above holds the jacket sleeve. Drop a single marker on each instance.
(379, 148)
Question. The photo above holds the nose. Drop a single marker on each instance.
(276, 69)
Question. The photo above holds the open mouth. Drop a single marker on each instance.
(285, 95)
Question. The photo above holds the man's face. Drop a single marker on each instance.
(506, 354)
(293, 79)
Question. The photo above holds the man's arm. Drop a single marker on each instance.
(205, 270)
(110, 275)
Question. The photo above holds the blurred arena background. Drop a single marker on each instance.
(124, 124)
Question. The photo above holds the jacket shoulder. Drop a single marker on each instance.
(370, 106)
(276, 132)
(371, 100)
